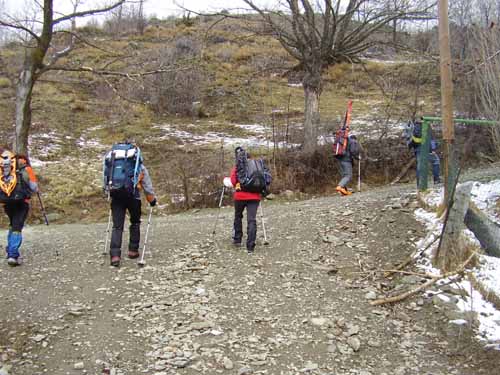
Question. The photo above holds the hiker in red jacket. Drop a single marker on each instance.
(242, 200)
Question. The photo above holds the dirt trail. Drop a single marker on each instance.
(296, 306)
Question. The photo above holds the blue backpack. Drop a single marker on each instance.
(122, 167)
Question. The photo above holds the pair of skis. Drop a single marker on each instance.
(342, 138)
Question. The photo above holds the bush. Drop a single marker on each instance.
(4, 83)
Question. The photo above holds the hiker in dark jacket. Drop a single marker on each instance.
(130, 201)
(17, 183)
(415, 143)
(345, 164)
(242, 200)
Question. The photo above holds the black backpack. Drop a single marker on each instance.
(253, 175)
(354, 148)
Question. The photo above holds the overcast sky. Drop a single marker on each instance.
(160, 8)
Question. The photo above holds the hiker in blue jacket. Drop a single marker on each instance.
(414, 141)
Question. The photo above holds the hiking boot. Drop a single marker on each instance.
(115, 261)
(237, 244)
(343, 190)
(133, 254)
(13, 262)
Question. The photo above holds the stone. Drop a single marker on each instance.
(227, 363)
(344, 349)
(371, 295)
(309, 366)
(245, 371)
(354, 343)
(374, 343)
(318, 321)
(38, 338)
(412, 280)
(352, 330)
(199, 326)
(79, 366)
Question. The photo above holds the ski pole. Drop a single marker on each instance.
(266, 242)
(359, 175)
(141, 262)
(44, 213)
(107, 233)
(218, 212)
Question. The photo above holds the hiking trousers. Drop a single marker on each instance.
(239, 207)
(345, 172)
(17, 212)
(435, 165)
(119, 207)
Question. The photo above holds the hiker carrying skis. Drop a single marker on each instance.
(247, 194)
(17, 183)
(345, 164)
(124, 177)
(413, 136)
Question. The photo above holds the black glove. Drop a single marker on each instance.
(153, 203)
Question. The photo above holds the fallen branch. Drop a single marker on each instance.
(416, 254)
(405, 170)
(435, 278)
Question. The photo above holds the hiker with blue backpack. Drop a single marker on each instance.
(17, 183)
(413, 137)
(250, 179)
(124, 177)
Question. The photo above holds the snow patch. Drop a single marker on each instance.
(258, 139)
(487, 274)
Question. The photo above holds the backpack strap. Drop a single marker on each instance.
(137, 172)
(8, 185)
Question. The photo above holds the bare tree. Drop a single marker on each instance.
(323, 33)
(40, 56)
(488, 78)
(141, 19)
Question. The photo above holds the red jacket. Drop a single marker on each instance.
(242, 195)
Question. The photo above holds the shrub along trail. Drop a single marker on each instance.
(298, 305)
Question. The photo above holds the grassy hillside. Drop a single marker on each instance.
(234, 78)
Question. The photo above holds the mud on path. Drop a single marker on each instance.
(298, 305)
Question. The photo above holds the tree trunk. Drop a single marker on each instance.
(23, 107)
(311, 118)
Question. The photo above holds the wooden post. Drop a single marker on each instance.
(451, 251)
(446, 96)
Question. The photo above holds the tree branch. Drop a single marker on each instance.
(89, 12)
(21, 28)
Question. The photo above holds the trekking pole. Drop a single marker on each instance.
(359, 175)
(141, 262)
(266, 242)
(107, 233)
(44, 213)
(218, 212)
